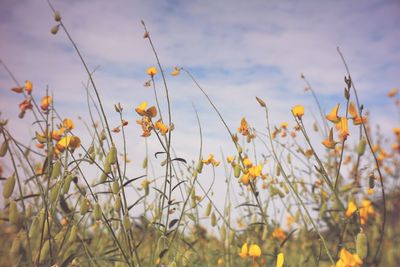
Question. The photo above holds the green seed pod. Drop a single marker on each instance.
(213, 220)
(115, 187)
(97, 212)
(144, 164)
(361, 147)
(44, 252)
(103, 177)
(199, 167)
(102, 135)
(223, 233)
(208, 209)
(172, 264)
(67, 183)
(16, 245)
(55, 192)
(3, 148)
(60, 237)
(9, 187)
(55, 29)
(57, 16)
(239, 149)
(34, 230)
(84, 206)
(236, 170)
(29, 211)
(371, 181)
(73, 234)
(126, 222)
(112, 155)
(13, 212)
(117, 204)
(107, 167)
(362, 245)
(56, 169)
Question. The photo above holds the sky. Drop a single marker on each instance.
(236, 50)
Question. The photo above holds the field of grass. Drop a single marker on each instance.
(300, 206)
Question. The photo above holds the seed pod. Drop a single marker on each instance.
(213, 220)
(55, 29)
(55, 191)
(102, 135)
(199, 167)
(9, 187)
(60, 237)
(103, 177)
(73, 234)
(362, 245)
(172, 264)
(115, 187)
(67, 183)
(84, 206)
(117, 204)
(44, 252)
(33, 231)
(371, 181)
(16, 245)
(112, 155)
(97, 212)
(315, 127)
(56, 169)
(223, 233)
(289, 159)
(239, 149)
(236, 171)
(208, 209)
(107, 166)
(264, 233)
(3, 148)
(361, 147)
(278, 170)
(13, 212)
(57, 16)
(144, 164)
(126, 222)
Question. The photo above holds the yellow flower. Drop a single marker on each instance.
(280, 259)
(333, 117)
(298, 111)
(245, 179)
(68, 124)
(244, 127)
(220, 261)
(348, 259)
(284, 125)
(46, 102)
(160, 126)
(244, 251)
(28, 86)
(141, 109)
(278, 233)
(176, 71)
(211, 160)
(145, 122)
(329, 143)
(151, 71)
(351, 208)
(56, 135)
(72, 142)
(230, 159)
(352, 110)
(247, 162)
(344, 128)
(366, 210)
(254, 251)
(255, 171)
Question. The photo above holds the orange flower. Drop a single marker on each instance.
(142, 111)
(244, 127)
(46, 102)
(151, 71)
(278, 233)
(176, 71)
(344, 128)
(332, 116)
(68, 124)
(160, 126)
(28, 87)
(329, 143)
(352, 110)
(254, 251)
(211, 160)
(366, 210)
(348, 259)
(56, 135)
(298, 111)
(71, 142)
(244, 251)
(146, 124)
(351, 208)
(245, 179)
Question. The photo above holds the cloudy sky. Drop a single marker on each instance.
(236, 49)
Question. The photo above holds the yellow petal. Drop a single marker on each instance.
(332, 116)
(280, 259)
(353, 110)
(298, 111)
(141, 109)
(151, 71)
(68, 124)
(351, 208)
(243, 251)
(254, 251)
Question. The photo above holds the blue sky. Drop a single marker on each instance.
(236, 49)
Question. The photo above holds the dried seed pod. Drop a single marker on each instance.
(117, 204)
(57, 16)
(44, 252)
(208, 209)
(13, 212)
(16, 245)
(115, 187)
(9, 187)
(56, 169)
(371, 180)
(55, 29)
(236, 171)
(362, 245)
(144, 164)
(84, 206)
(213, 220)
(55, 192)
(97, 212)
(223, 232)
(67, 183)
(3, 148)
